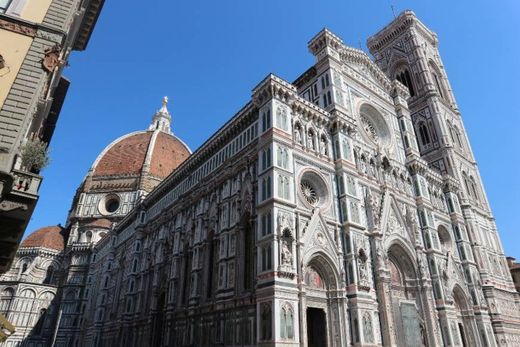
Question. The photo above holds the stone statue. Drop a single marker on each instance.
(323, 146)
(298, 135)
(286, 253)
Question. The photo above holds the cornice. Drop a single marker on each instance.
(407, 19)
(357, 56)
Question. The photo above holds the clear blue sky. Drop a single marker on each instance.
(208, 55)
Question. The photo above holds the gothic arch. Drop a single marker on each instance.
(326, 269)
(445, 238)
(28, 293)
(460, 298)
(402, 72)
(462, 328)
(438, 79)
(401, 254)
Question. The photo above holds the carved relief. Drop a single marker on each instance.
(17, 28)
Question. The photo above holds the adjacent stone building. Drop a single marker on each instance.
(37, 37)
(514, 268)
(343, 209)
(28, 290)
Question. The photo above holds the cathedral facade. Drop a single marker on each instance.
(343, 209)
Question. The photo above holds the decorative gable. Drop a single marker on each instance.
(317, 238)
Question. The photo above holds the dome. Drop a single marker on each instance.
(48, 237)
(155, 151)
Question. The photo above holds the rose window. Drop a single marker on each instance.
(314, 191)
(374, 126)
(309, 192)
(369, 128)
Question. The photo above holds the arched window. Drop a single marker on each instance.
(458, 136)
(474, 188)
(437, 79)
(265, 322)
(49, 276)
(467, 185)
(403, 76)
(423, 133)
(5, 300)
(88, 236)
(286, 322)
(444, 238)
(25, 265)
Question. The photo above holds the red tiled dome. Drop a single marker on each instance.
(158, 152)
(49, 237)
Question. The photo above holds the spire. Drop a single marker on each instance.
(162, 118)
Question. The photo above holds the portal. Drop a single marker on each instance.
(316, 327)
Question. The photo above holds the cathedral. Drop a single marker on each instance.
(342, 209)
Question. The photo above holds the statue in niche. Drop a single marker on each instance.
(373, 205)
(362, 267)
(298, 134)
(380, 257)
(311, 140)
(286, 252)
(323, 146)
(421, 266)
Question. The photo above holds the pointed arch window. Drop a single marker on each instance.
(403, 76)
(474, 188)
(265, 322)
(287, 322)
(423, 133)
(49, 276)
(437, 79)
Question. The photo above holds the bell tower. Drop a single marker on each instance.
(406, 50)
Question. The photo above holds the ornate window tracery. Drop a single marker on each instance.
(313, 189)
(287, 321)
(403, 76)
(309, 192)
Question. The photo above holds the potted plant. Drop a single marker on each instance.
(35, 155)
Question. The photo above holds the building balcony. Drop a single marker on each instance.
(16, 207)
(26, 184)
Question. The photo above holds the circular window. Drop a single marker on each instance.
(374, 125)
(109, 204)
(112, 205)
(313, 189)
(309, 192)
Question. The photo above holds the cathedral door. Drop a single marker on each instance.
(462, 335)
(411, 325)
(316, 327)
(408, 323)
